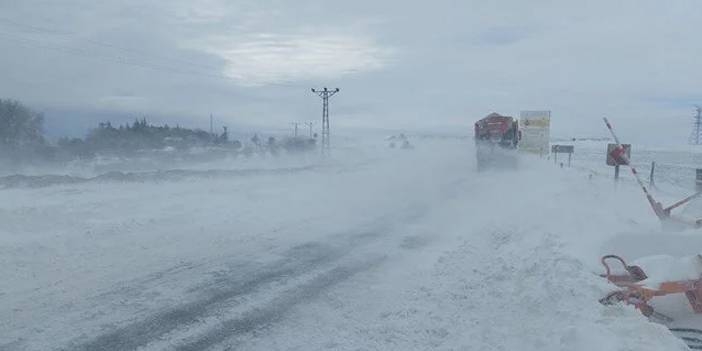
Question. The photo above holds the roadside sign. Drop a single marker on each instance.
(535, 130)
(613, 154)
(562, 149)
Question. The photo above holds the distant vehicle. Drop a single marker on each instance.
(401, 139)
(496, 141)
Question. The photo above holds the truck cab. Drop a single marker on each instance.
(496, 139)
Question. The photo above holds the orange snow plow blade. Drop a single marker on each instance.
(635, 292)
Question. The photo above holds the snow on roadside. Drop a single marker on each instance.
(470, 261)
(528, 295)
(518, 298)
(491, 272)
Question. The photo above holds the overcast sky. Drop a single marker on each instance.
(400, 64)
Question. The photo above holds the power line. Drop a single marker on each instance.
(325, 95)
(82, 53)
(143, 53)
(31, 27)
(310, 124)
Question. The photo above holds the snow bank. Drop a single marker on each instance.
(662, 268)
(374, 249)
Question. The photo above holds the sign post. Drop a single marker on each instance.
(663, 213)
(562, 149)
(570, 157)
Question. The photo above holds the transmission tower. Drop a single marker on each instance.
(310, 124)
(325, 95)
(696, 136)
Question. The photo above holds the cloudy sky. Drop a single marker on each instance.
(436, 65)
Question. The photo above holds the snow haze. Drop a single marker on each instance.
(400, 65)
(373, 248)
(166, 183)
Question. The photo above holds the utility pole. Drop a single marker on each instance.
(695, 137)
(309, 124)
(295, 124)
(325, 95)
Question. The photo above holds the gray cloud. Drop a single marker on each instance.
(267, 58)
(400, 64)
(502, 35)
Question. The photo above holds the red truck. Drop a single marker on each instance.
(496, 139)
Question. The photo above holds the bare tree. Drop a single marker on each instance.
(19, 126)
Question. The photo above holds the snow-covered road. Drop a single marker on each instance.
(374, 249)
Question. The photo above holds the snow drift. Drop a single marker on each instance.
(371, 249)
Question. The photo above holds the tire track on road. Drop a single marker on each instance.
(223, 291)
(298, 261)
(277, 309)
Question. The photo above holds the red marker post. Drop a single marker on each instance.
(663, 213)
(618, 155)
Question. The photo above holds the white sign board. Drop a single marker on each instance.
(535, 127)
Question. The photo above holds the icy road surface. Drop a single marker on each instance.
(374, 249)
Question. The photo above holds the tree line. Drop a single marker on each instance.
(22, 138)
(142, 135)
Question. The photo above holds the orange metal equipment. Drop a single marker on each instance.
(638, 294)
(663, 213)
